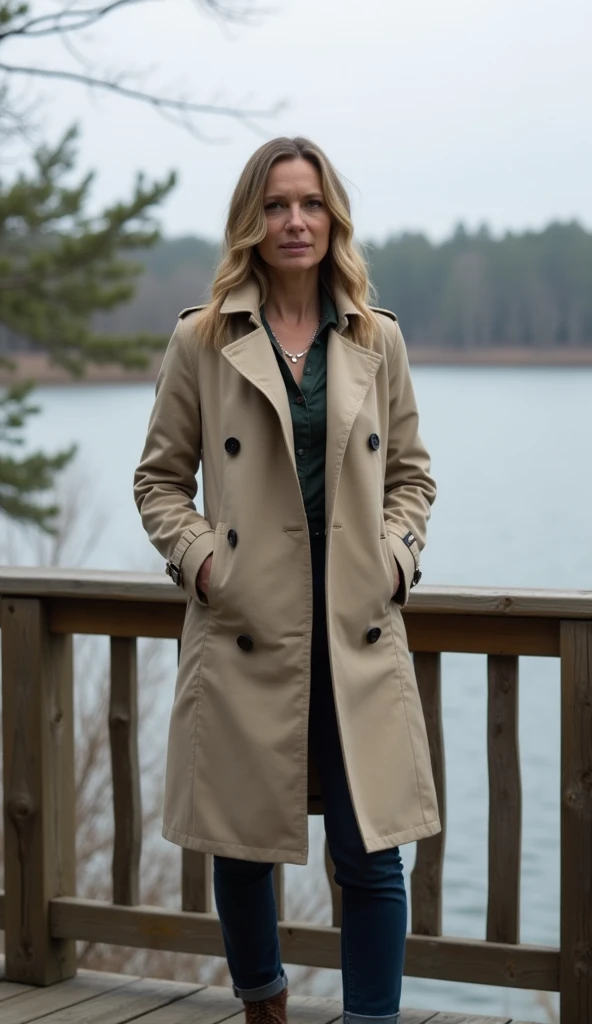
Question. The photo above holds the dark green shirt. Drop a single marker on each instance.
(308, 406)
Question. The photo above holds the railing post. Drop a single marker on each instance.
(39, 793)
(576, 823)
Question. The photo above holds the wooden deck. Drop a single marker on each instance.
(96, 997)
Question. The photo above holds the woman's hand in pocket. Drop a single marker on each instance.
(396, 580)
(203, 576)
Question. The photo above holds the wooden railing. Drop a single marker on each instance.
(42, 918)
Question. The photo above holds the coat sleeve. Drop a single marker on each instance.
(409, 489)
(165, 482)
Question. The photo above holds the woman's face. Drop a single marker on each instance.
(298, 222)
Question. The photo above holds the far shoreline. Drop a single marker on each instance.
(37, 367)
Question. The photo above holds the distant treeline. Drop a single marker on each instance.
(531, 290)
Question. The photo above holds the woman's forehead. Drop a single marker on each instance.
(296, 175)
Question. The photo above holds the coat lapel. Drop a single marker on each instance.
(350, 372)
(254, 358)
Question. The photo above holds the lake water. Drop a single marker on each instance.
(511, 456)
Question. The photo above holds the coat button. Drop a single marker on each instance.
(245, 642)
(374, 442)
(232, 537)
(416, 577)
(373, 634)
(232, 445)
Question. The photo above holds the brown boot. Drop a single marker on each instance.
(268, 1011)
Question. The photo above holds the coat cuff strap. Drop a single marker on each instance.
(188, 557)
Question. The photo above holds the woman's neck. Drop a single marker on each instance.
(293, 298)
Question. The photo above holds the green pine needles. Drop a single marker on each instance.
(59, 266)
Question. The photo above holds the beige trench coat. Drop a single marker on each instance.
(236, 779)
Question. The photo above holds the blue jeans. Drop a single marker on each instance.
(374, 901)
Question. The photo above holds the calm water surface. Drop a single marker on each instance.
(511, 455)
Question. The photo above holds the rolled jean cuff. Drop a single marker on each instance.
(255, 995)
(360, 1018)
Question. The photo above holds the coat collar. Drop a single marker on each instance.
(246, 298)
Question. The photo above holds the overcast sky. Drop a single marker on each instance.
(434, 110)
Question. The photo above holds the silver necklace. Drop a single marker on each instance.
(295, 356)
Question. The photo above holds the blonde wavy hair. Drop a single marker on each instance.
(246, 226)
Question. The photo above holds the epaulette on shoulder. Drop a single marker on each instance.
(387, 312)
(188, 310)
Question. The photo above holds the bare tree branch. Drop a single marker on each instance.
(74, 19)
(158, 102)
(70, 20)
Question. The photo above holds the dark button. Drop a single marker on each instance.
(416, 577)
(232, 537)
(374, 442)
(307, 369)
(301, 451)
(232, 445)
(245, 642)
(373, 634)
(300, 400)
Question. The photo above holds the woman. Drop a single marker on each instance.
(295, 397)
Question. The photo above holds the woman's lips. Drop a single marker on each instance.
(296, 247)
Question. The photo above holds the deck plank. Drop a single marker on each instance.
(12, 989)
(468, 1018)
(313, 1010)
(99, 997)
(122, 1004)
(39, 1002)
(206, 1006)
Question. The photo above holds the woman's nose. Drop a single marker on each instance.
(295, 219)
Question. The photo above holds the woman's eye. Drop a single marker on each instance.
(315, 202)
(272, 206)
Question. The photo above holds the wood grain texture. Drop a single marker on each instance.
(486, 963)
(482, 634)
(39, 827)
(505, 801)
(417, 1016)
(467, 1018)
(426, 877)
(12, 989)
(116, 618)
(125, 771)
(576, 822)
(123, 1004)
(82, 584)
(196, 881)
(313, 1010)
(206, 1006)
(76, 991)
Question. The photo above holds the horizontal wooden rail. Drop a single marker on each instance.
(83, 584)
(433, 632)
(482, 963)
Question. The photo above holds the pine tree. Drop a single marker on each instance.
(58, 267)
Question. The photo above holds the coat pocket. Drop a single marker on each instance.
(215, 574)
(388, 558)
